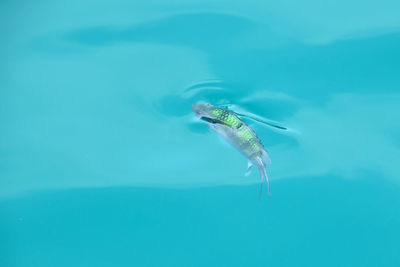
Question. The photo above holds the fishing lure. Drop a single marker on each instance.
(237, 133)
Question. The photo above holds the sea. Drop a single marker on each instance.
(104, 163)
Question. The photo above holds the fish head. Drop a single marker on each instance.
(205, 111)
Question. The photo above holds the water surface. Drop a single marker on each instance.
(101, 163)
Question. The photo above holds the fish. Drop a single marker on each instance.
(237, 133)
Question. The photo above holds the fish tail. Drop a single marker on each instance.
(264, 177)
(267, 180)
(265, 158)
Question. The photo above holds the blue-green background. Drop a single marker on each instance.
(101, 163)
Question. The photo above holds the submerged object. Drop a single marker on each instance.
(237, 133)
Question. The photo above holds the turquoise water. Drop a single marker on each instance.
(102, 162)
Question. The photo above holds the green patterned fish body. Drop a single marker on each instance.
(229, 125)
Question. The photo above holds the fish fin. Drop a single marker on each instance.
(249, 165)
(262, 120)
